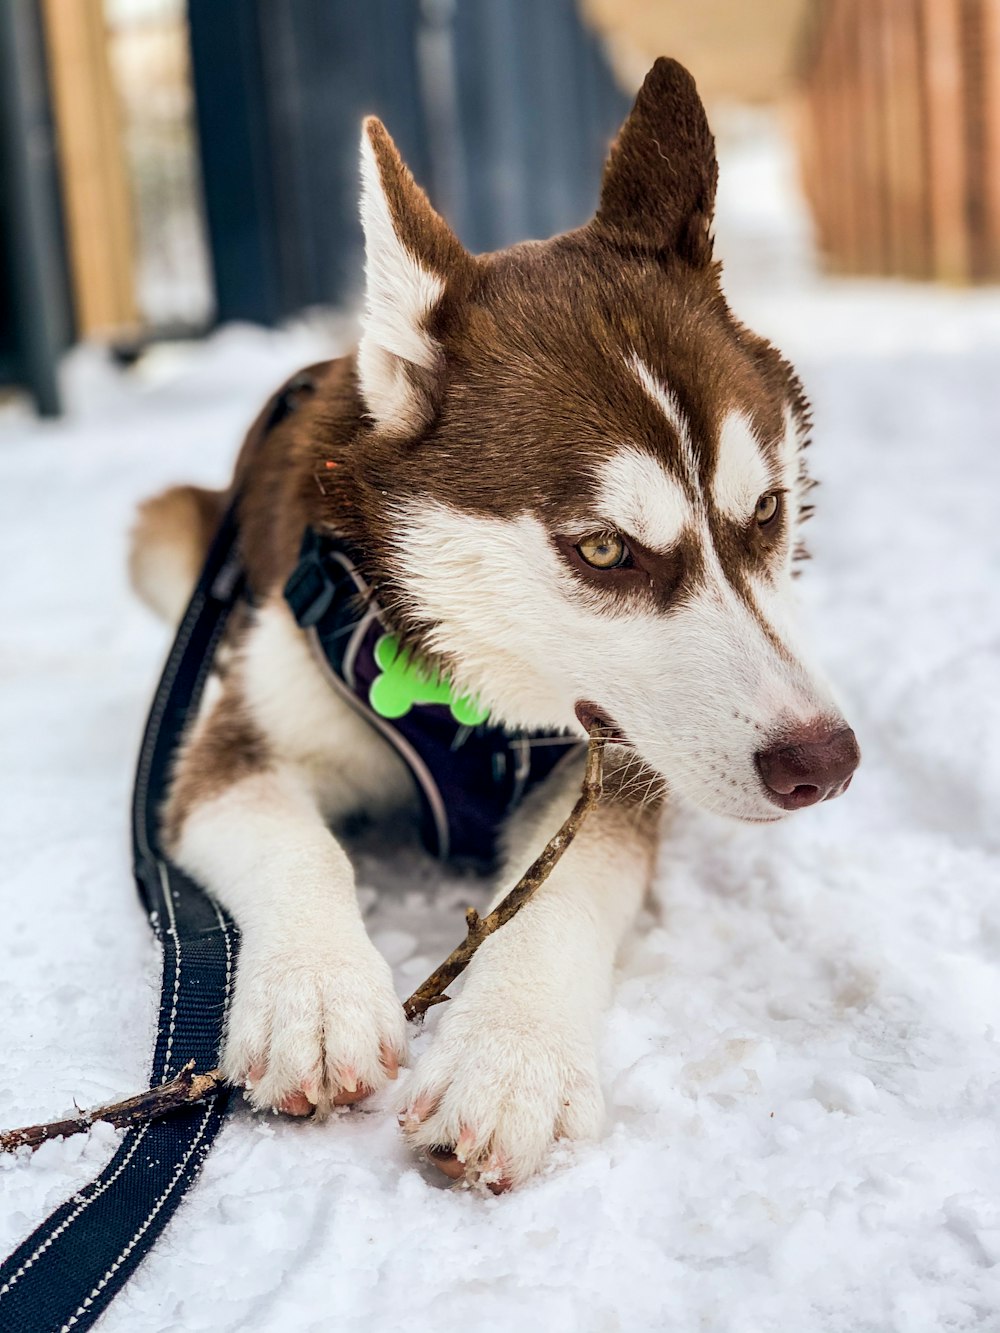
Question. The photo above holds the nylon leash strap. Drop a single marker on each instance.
(71, 1267)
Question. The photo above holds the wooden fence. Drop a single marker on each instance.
(900, 136)
(95, 193)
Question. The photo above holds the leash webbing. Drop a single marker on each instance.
(70, 1268)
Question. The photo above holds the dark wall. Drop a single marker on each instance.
(35, 312)
(502, 108)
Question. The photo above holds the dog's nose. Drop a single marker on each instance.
(807, 766)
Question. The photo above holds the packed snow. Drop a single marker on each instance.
(801, 1062)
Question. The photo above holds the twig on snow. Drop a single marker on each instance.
(187, 1088)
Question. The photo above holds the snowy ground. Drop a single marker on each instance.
(801, 1064)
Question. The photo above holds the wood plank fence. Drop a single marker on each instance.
(899, 134)
(95, 192)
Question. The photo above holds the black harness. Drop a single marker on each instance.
(469, 775)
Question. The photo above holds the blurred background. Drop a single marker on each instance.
(167, 166)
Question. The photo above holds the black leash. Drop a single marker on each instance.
(71, 1267)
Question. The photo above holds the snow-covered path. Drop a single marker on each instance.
(801, 1064)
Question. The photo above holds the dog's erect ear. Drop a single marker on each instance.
(410, 256)
(658, 192)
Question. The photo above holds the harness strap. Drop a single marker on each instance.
(70, 1268)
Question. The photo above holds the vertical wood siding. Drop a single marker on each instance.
(900, 136)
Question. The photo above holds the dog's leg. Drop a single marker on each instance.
(513, 1065)
(315, 1019)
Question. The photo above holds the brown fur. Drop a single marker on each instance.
(535, 336)
(662, 167)
(215, 756)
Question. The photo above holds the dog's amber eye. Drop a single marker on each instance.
(767, 507)
(603, 550)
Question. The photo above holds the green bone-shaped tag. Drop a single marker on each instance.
(405, 681)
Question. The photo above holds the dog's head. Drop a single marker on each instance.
(590, 475)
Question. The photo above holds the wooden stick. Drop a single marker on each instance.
(477, 928)
(189, 1087)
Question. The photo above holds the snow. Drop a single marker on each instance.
(801, 1062)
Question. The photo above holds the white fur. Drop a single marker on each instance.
(698, 689)
(400, 294)
(314, 1001)
(513, 1064)
(514, 1061)
(348, 765)
(741, 474)
(639, 497)
(457, 566)
(666, 400)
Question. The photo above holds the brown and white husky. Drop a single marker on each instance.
(575, 483)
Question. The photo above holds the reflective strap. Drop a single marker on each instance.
(65, 1274)
(70, 1268)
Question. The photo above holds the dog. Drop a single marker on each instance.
(568, 486)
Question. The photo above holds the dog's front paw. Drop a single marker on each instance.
(496, 1089)
(313, 1026)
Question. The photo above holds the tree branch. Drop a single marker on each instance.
(189, 1087)
(478, 928)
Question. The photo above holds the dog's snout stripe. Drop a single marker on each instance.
(666, 400)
